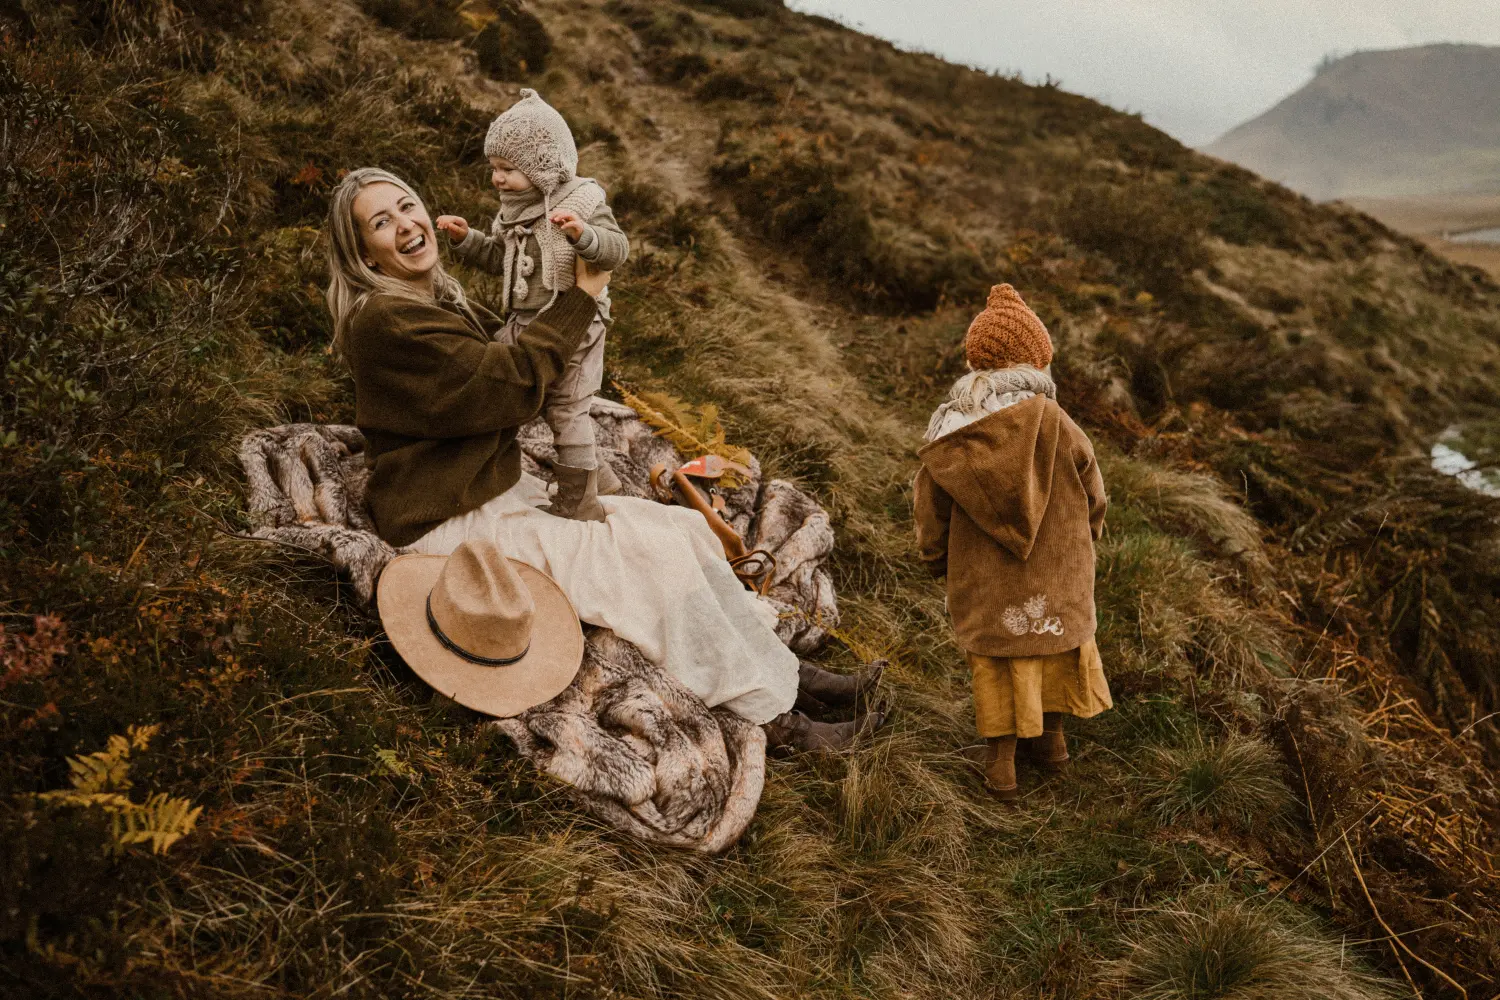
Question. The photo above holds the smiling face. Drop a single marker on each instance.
(505, 176)
(395, 233)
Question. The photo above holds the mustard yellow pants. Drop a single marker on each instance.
(1011, 693)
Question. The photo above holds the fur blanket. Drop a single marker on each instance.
(640, 752)
(643, 753)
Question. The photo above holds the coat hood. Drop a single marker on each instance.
(999, 470)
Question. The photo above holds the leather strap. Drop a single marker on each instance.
(457, 650)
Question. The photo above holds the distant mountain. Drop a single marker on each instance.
(1415, 121)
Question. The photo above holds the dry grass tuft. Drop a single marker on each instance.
(1234, 781)
(1164, 611)
(1214, 949)
(1192, 504)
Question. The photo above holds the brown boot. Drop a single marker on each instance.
(1049, 750)
(576, 496)
(818, 689)
(609, 483)
(1000, 774)
(797, 732)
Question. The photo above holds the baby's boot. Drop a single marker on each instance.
(577, 496)
(1000, 773)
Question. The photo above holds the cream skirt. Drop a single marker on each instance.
(656, 576)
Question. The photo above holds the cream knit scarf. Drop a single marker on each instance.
(989, 390)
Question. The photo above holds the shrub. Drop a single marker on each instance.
(747, 8)
(1137, 144)
(635, 201)
(423, 19)
(1151, 231)
(514, 44)
(1247, 211)
(727, 85)
(679, 66)
(658, 28)
(185, 27)
(508, 40)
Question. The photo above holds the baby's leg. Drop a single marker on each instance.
(572, 432)
(567, 407)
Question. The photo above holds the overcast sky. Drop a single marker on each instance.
(1194, 68)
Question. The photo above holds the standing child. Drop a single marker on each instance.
(1009, 503)
(547, 215)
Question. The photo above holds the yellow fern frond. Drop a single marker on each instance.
(692, 433)
(99, 778)
(108, 801)
(102, 770)
(140, 736)
(162, 821)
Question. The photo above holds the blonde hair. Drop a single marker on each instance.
(350, 280)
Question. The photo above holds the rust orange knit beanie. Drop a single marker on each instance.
(1007, 333)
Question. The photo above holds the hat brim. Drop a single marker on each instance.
(550, 663)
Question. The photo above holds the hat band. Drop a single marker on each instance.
(457, 650)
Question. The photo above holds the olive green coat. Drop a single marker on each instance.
(439, 402)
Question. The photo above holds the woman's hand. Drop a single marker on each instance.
(589, 277)
(455, 226)
(569, 223)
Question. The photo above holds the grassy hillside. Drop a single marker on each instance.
(1394, 123)
(1293, 795)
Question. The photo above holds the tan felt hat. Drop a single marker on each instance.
(493, 634)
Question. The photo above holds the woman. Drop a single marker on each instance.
(440, 403)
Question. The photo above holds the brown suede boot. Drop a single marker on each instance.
(819, 689)
(1000, 774)
(1049, 750)
(576, 496)
(609, 483)
(797, 732)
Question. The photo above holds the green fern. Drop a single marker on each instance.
(100, 780)
(388, 762)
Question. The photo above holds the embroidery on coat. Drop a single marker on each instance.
(1031, 618)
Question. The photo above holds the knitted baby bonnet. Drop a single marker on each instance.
(1007, 333)
(534, 137)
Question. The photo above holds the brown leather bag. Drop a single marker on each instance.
(753, 568)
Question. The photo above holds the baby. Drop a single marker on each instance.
(548, 214)
(1009, 503)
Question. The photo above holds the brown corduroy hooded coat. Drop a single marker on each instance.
(1008, 508)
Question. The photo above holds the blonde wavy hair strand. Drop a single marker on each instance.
(350, 280)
